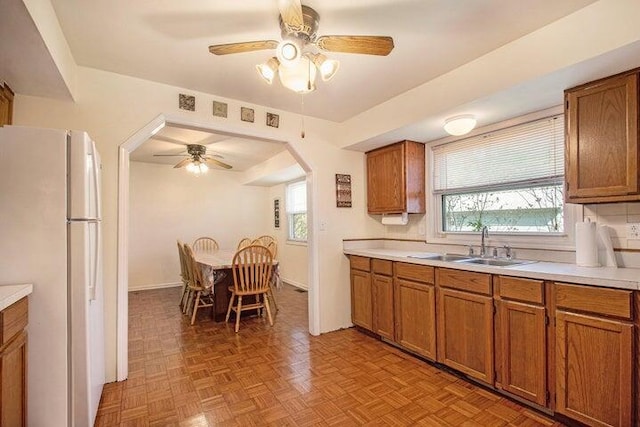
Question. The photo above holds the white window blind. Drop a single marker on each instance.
(530, 152)
(297, 197)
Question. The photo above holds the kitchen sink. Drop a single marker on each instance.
(442, 257)
(496, 262)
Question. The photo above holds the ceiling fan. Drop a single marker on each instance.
(197, 159)
(297, 59)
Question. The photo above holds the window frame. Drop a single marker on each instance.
(290, 238)
(530, 240)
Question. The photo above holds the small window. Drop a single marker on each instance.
(510, 180)
(297, 211)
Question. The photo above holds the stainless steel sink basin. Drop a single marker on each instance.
(444, 257)
(496, 262)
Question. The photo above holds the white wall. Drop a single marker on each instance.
(168, 204)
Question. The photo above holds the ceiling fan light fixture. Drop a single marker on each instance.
(268, 69)
(289, 52)
(460, 125)
(301, 78)
(327, 67)
(197, 167)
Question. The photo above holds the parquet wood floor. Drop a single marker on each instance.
(207, 375)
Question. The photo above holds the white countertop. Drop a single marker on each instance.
(622, 278)
(10, 294)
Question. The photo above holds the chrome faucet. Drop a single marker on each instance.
(484, 233)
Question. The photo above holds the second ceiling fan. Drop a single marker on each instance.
(297, 59)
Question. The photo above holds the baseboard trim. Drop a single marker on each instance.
(154, 286)
(294, 283)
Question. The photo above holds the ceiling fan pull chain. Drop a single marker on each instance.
(302, 112)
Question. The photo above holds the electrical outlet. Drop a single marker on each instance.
(633, 230)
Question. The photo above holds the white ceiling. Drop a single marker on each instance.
(167, 41)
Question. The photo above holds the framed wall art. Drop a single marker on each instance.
(273, 120)
(246, 114)
(187, 102)
(219, 109)
(343, 190)
(276, 213)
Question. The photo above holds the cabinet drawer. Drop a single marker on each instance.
(359, 262)
(382, 266)
(520, 289)
(464, 280)
(13, 320)
(608, 302)
(419, 273)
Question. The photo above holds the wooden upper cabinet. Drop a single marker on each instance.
(6, 105)
(601, 153)
(395, 178)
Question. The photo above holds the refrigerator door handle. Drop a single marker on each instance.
(95, 260)
(96, 179)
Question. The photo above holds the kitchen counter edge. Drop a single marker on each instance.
(609, 277)
(10, 294)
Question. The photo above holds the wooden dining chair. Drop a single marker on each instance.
(184, 275)
(205, 244)
(243, 243)
(201, 295)
(264, 240)
(252, 267)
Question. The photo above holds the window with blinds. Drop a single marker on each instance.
(510, 180)
(296, 207)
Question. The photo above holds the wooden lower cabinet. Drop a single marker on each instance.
(361, 301)
(594, 369)
(13, 382)
(465, 333)
(416, 317)
(383, 323)
(521, 359)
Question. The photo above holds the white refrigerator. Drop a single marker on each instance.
(50, 237)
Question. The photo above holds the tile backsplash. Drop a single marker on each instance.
(616, 216)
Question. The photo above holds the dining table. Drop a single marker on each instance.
(216, 269)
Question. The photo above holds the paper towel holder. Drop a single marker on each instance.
(395, 219)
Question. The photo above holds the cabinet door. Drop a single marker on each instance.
(594, 369)
(416, 317)
(465, 333)
(361, 307)
(13, 382)
(383, 306)
(602, 140)
(523, 350)
(386, 180)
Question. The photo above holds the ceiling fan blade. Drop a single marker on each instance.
(368, 45)
(169, 155)
(182, 163)
(217, 162)
(291, 14)
(226, 49)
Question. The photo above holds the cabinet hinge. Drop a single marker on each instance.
(548, 397)
(495, 308)
(567, 104)
(546, 319)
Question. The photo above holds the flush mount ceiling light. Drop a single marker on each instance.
(460, 125)
(297, 56)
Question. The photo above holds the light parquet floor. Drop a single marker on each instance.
(207, 375)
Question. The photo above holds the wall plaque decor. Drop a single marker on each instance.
(343, 190)
(219, 109)
(246, 114)
(187, 102)
(276, 213)
(273, 120)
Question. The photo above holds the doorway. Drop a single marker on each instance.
(125, 150)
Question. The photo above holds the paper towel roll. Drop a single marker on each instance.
(586, 244)
(605, 247)
(400, 219)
